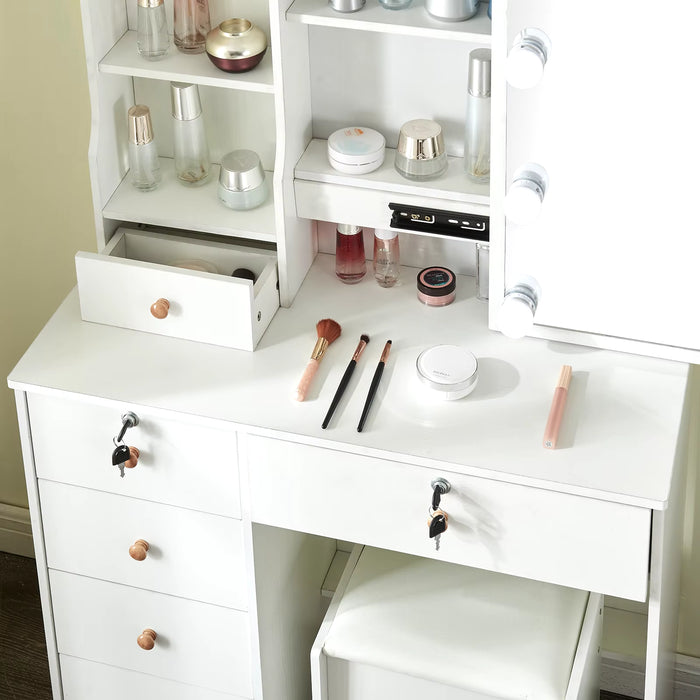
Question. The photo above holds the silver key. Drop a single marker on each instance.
(437, 542)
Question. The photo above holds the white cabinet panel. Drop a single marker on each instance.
(191, 554)
(613, 121)
(180, 464)
(573, 541)
(196, 643)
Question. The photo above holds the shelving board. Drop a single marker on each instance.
(174, 205)
(412, 21)
(324, 194)
(454, 185)
(124, 59)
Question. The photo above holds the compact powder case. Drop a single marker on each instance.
(449, 371)
(356, 150)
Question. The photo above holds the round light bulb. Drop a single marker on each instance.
(527, 59)
(517, 313)
(523, 202)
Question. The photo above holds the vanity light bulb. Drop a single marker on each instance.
(517, 314)
(527, 59)
(523, 202)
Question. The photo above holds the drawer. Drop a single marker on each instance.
(179, 464)
(119, 285)
(534, 533)
(190, 554)
(87, 680)
(196, 643)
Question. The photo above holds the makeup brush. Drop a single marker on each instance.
(374, 385)
(364, 340)
(327, 331)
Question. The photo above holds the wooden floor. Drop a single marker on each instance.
(24, 671)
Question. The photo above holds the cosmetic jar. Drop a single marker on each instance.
(356, 150)
(449, 371)
(436, 286)
(395, 4)
(420, 154)
(242, 180)
(236, 45)
(452, 10)
(346, 5)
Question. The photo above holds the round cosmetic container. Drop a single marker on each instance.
(356, 150)
(242, 180)
(346, 5)
(420, 153)
(450, 372)
(452, 10)
(236, 45)
(436, 286)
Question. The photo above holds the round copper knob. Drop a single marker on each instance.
(160, 308)
(139, 550)
(133, 459)
(147, 639)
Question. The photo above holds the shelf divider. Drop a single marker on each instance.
(413, 21)
(175, 205)
(124, 59)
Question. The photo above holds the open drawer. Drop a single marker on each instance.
(180, 287)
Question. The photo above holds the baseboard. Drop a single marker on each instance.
(15, 531)
(625, 675)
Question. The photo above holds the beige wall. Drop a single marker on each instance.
(46, 216)
(45, 203)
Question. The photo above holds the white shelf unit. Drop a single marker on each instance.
(245, 110)
(379, 68)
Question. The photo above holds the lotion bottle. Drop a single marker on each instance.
(477, 137)
(189, 137)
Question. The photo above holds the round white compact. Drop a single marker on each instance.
(356, 150)
(451, 372)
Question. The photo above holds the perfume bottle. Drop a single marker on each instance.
(386, 257)
(189, 138)
(477, 137)
(152, 38)
(191, 25)
(350, 264)
(144, 167)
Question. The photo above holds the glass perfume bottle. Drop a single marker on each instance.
(152, 38)
(477, 137)
(189, 137)
(350, 264)
(191, 25)
(144, 167)
(386, 257)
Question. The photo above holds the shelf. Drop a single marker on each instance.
(124, 59)
(453, 185)
(174, 205)
(324, 194)
(413, 21)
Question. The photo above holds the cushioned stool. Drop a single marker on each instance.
(411, 628)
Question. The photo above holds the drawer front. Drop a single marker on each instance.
(87, 680)
(179, 464)
(196, 643)
(190, 554)
(118, 287)
(529, 532)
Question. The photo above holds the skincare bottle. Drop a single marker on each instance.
(189, 138)
(144, 167)
(152, 38)
(477, 137)
(191, 25)
(386, 257)
(350, 264)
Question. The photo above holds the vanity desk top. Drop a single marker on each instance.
(619, 434)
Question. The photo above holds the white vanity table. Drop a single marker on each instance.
(232, 582)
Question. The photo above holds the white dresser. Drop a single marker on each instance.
(241, 495)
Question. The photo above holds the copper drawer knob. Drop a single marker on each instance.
(147, 639)
(160, 308)
(133, 459)
(139, 550)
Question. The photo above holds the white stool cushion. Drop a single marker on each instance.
(494, 634)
